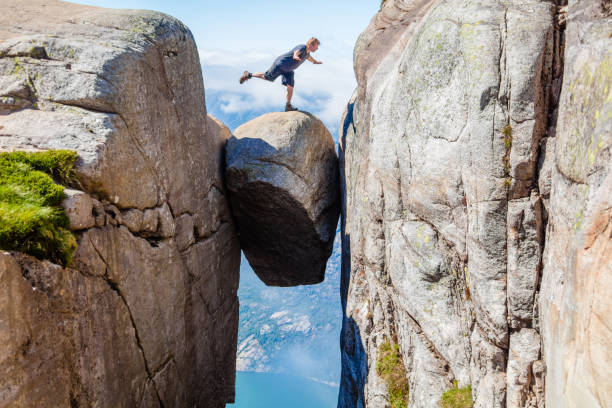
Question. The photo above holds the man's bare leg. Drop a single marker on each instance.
(289, 94)
(288, 107)
(258, 75)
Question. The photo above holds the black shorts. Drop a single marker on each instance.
(275, 71)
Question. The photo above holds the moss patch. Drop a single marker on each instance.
(457, 397)
(507, 137)
(390, 368)
(31, 218)
(508, 146)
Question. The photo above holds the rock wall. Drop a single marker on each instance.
(443, 217)
(147, 314)
(575, 294)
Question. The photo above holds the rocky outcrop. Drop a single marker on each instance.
(443, 217)
(147, 314)
(575, 295)
(282, 173)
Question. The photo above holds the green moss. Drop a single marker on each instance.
(31, 218)
(390, 368)
(57, 163)
(507, 131)
(457, 397)
(507, 137)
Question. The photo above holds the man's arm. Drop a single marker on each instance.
(296, 55)
(314, 61)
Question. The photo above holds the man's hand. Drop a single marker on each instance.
(296, 56)
(314, 61)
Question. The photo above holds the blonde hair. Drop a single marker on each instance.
(313, 41)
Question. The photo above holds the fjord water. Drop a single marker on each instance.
(265, 390)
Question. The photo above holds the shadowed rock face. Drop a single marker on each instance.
(147, 315)
(282, 173)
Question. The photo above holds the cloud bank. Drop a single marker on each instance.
(323, 90)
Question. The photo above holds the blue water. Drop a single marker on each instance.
(263, 390)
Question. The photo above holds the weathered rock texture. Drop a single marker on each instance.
(282, 172)
(576, 306)
(147, 314)
(443, 215)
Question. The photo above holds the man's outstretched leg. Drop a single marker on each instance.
(246, 75)
(271, 75)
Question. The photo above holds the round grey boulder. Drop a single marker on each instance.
(282, 174)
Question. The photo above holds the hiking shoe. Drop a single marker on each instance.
(290, 108)
(246, 75)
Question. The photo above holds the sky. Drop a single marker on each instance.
(237, 35)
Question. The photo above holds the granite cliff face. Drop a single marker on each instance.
(452, 191)
(147, 314)
(575, 294)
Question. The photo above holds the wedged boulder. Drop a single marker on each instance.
(282, 174)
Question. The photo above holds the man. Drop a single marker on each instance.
(285, 65)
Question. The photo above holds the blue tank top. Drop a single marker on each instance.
(286, 63)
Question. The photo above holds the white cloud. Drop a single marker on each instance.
(233, 59)
(322, 89)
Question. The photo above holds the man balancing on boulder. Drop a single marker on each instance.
(285, 65)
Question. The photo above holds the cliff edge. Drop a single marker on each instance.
(147, 313)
